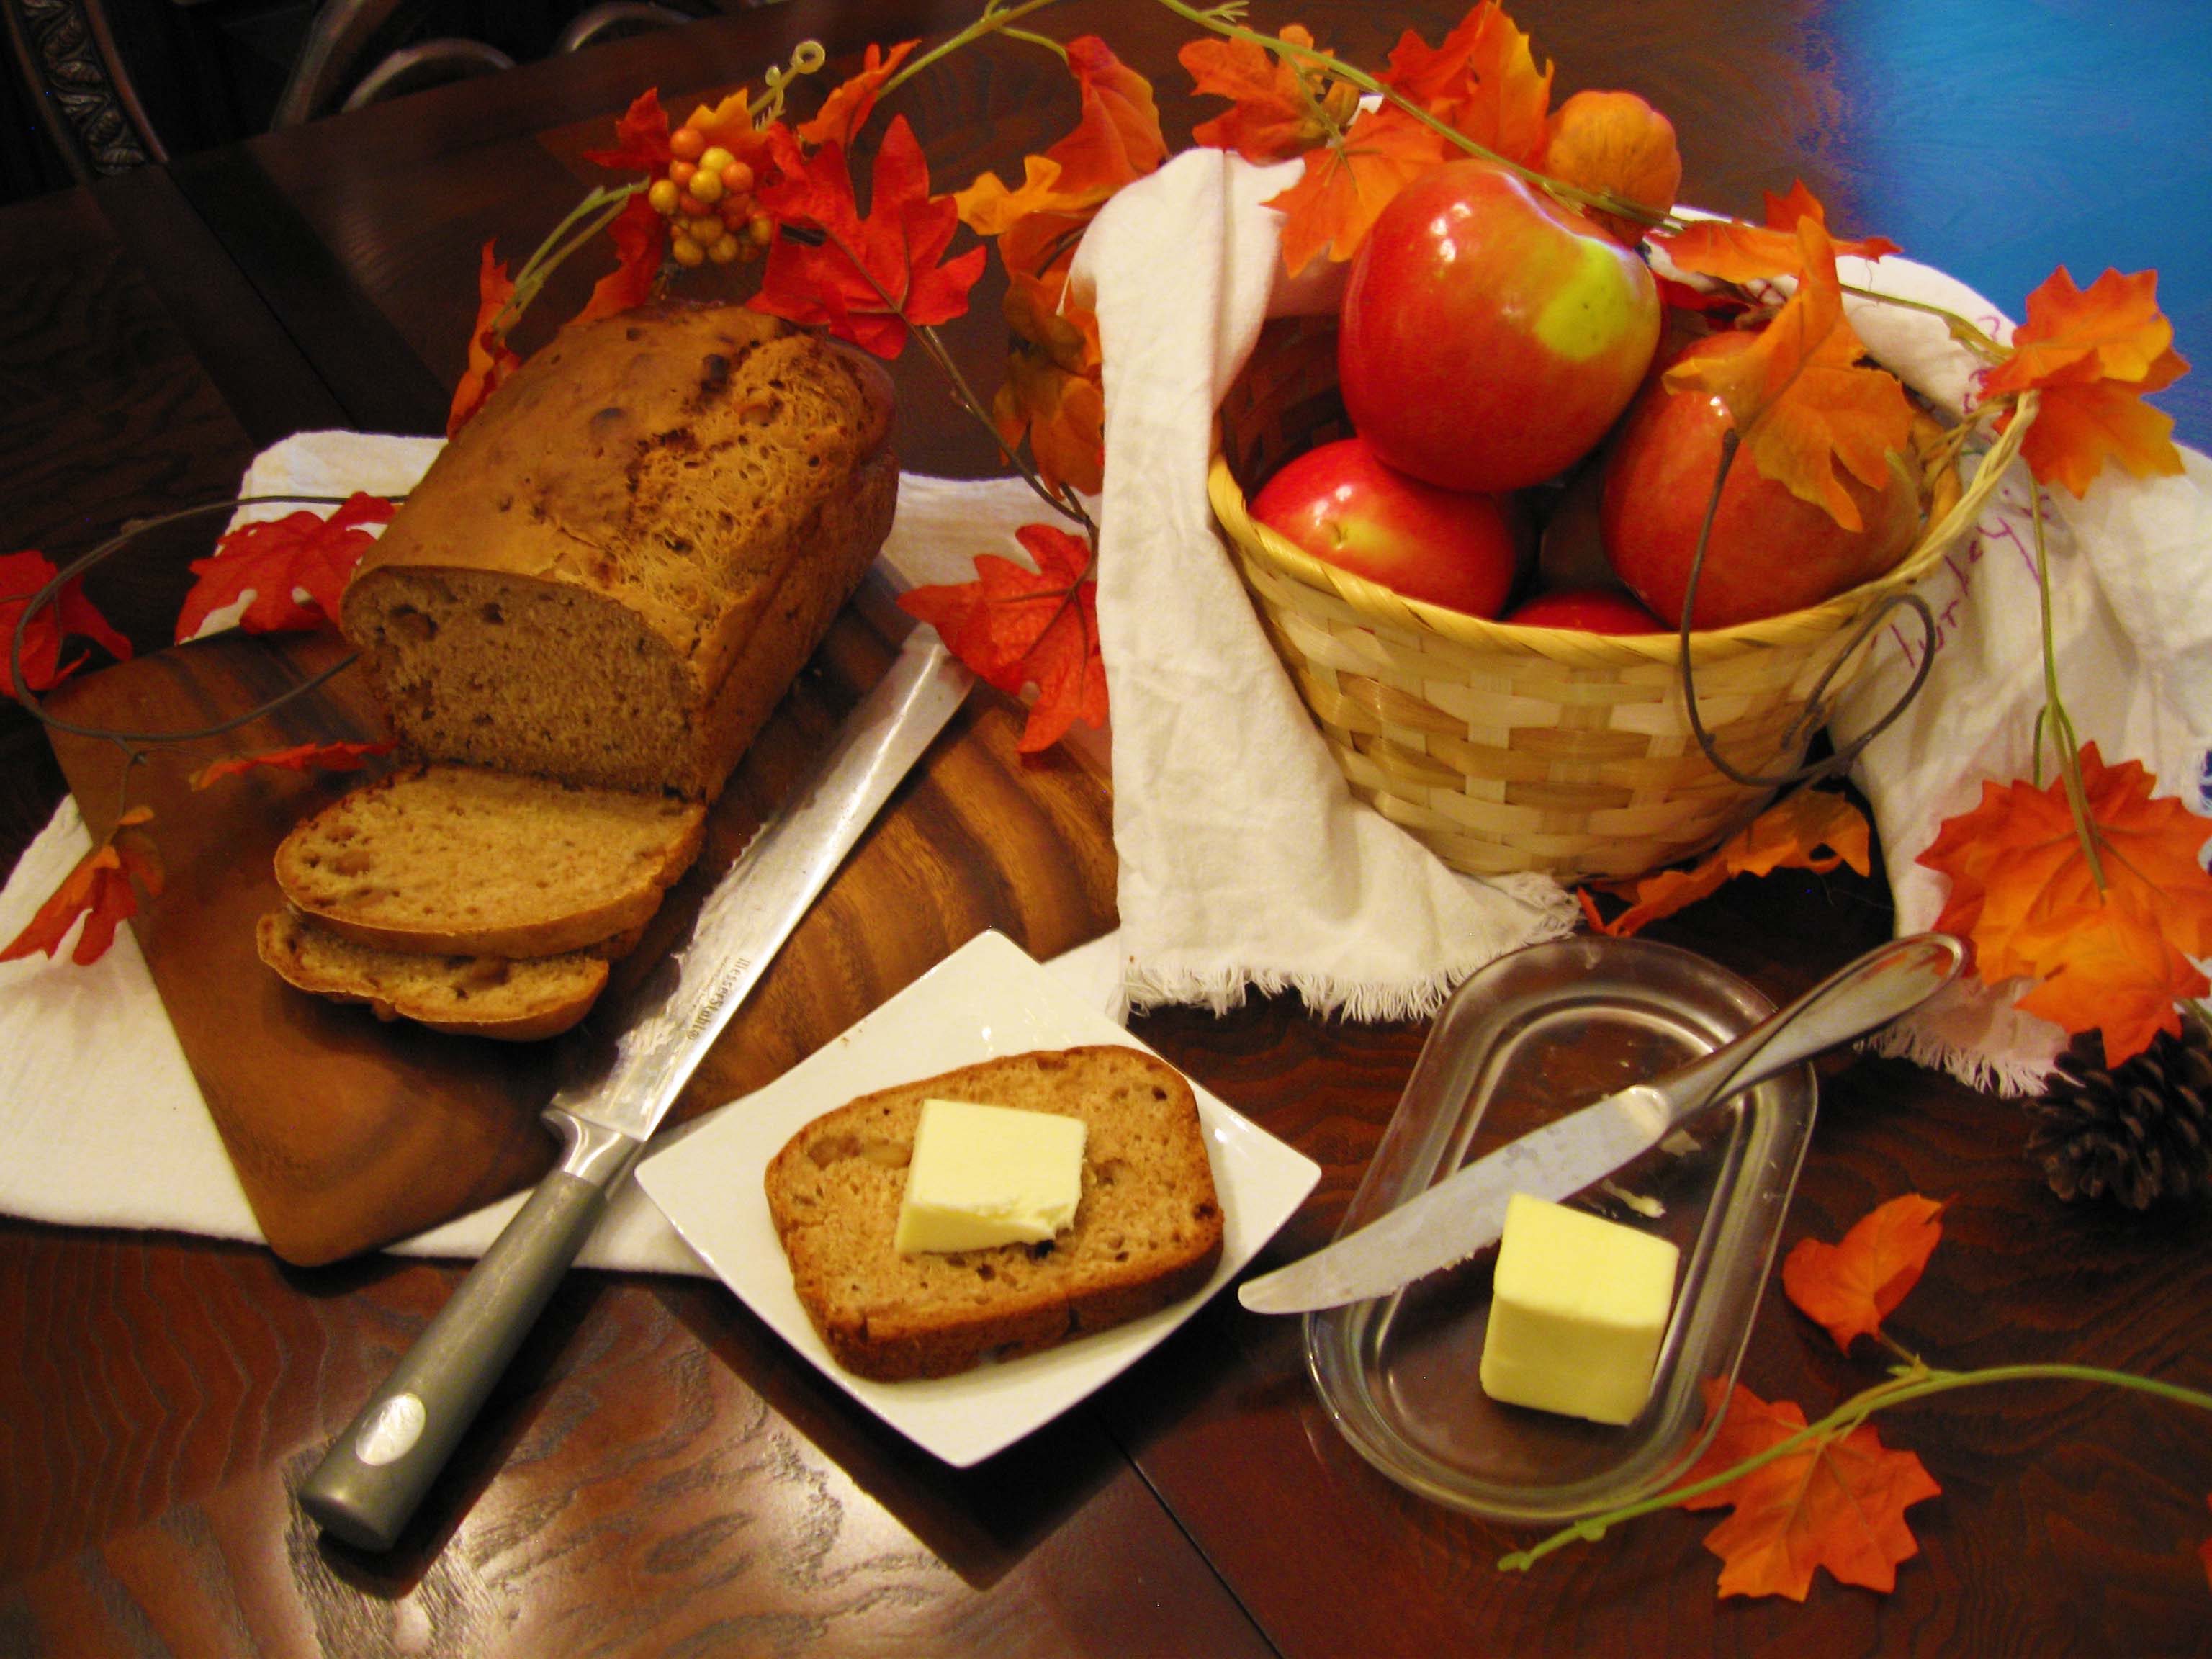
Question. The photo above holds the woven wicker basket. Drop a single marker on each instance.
(1507, 748)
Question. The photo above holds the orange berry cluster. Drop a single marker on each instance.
(708, 199)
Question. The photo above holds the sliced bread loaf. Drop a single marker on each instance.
(1147, 1231)
(519, 1001)
(464, 861)
(614, 571)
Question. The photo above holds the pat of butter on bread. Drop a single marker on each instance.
(984, 1176)
(1578, 1307)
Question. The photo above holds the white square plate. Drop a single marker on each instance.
(987, 1000)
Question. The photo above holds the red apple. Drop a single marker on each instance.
(1587, 611)
(1449, 548)
(1769, 552)
(1490, 335)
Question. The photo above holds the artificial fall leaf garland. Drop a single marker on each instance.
(1828, 1494)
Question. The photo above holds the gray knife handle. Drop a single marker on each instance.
(369, 1482)
(1890, 979)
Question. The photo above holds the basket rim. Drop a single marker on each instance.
(1384, 605)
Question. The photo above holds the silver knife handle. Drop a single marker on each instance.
(369, 1484)
(1888, 981)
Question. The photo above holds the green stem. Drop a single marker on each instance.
(1916, 1382)
(1962, 330)
(993, 22)
(602, 208)
(2062, 737)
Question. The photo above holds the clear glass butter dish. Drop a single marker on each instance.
(1528, 1039)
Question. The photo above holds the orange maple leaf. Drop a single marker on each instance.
(1482, 81)
(1279, 107)
(1016, 628)
(1053, 392)
(1798, 397)
(336, 756)
(1116, 140)
(1837, 1503)
(1348, 180)
(1615, 143)
(22, 576)
(1851, 1287)
(98, 889)
(279, 561)
(490, 360)
(1789, 834)
(1736, 251)
(846, 109)
(2024, 894)
(2092, 356)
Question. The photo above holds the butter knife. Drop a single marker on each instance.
(373, 1476)
(1466, 1211)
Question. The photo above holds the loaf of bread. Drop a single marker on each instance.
(612, 573)
(461, 861)
(1147, 1231)
(471, 996)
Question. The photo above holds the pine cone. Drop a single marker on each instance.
(2138, 1133)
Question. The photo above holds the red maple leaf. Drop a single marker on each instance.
(1851, 1287)
(640, 238)
(21, 577)
(1736, 251)
(1789, 835)
(295, 567)
(490, 360)
(1837, 1503)
(641, 137)
(337, 757)
(1016, 628)
(99, 890)
(846, 109)
(869, 279)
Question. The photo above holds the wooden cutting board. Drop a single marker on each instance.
(347, 1131)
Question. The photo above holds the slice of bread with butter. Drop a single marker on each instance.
(1146, 1229)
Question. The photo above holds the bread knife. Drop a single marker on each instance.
(373, 1476)
(1466, 1211)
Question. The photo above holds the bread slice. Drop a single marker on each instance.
(519, 1001)
(1147, 1231)
(457, 860)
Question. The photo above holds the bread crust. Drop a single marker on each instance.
(1149, 1196)
(510, 1002)
(702, 486)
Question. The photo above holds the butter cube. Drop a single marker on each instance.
(982, 1175)
(1578, 1305)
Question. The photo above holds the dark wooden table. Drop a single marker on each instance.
(657, 1473)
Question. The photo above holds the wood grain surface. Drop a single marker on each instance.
(659, 1474)
(349, 1132)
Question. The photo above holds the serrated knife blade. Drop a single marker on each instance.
(1466, 1211)
(374, 1474)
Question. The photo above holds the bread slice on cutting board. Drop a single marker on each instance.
(515, 1002)
(463, 860)
(1147, 1231)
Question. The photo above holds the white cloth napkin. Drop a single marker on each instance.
(2131, 568)
(1244, 858)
